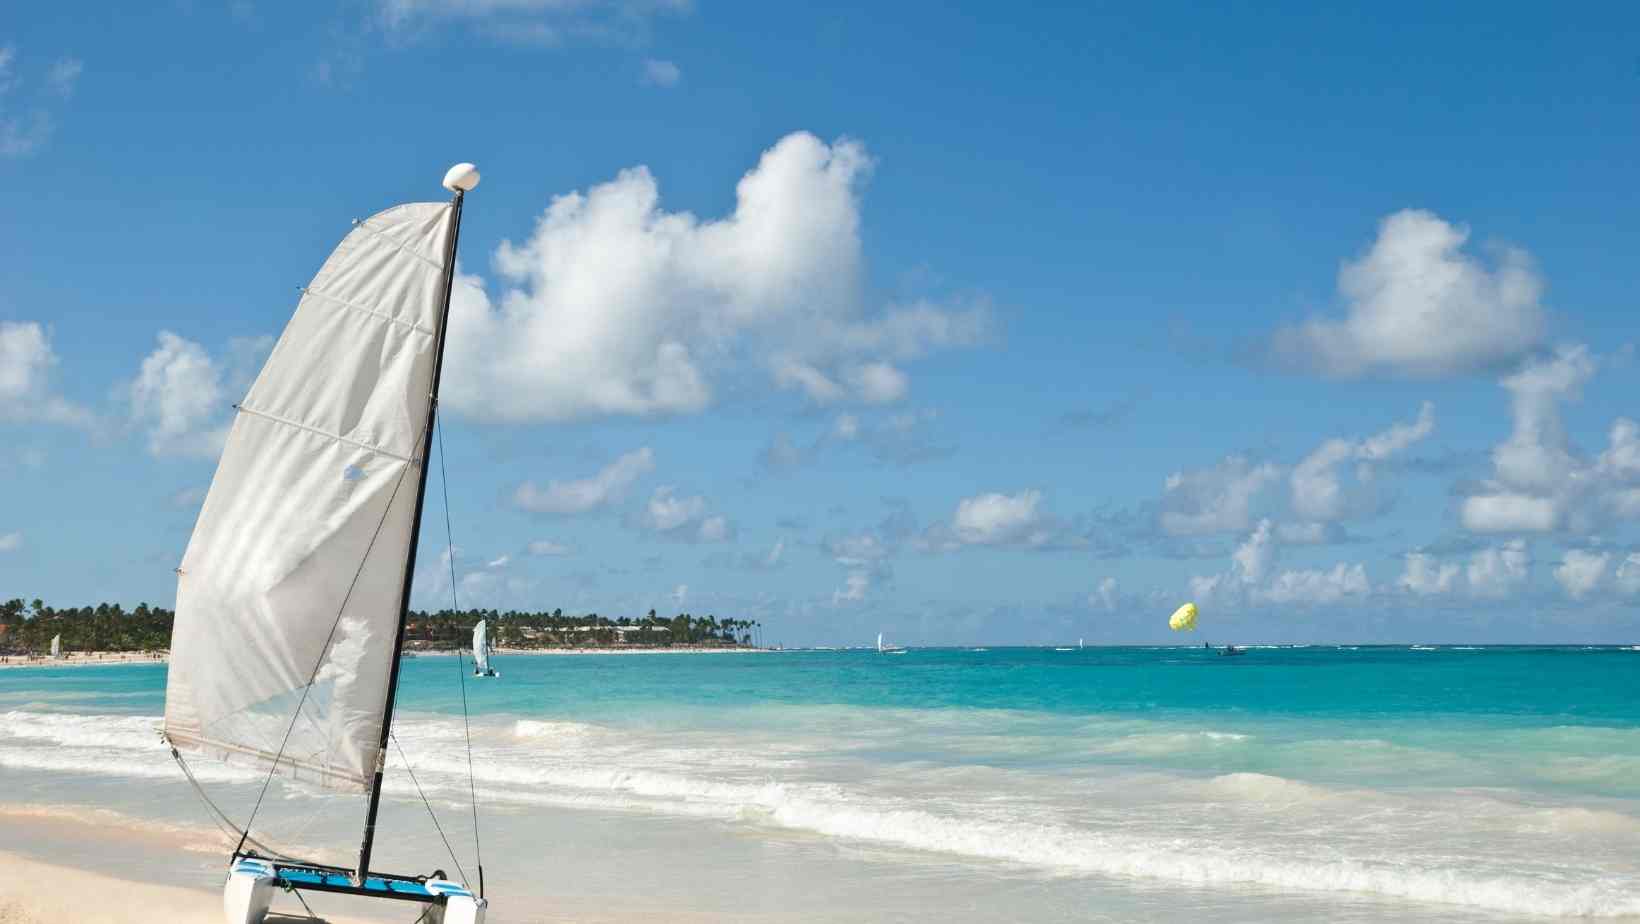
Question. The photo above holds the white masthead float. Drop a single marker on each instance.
(293, 592)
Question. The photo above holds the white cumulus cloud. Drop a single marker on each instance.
(615, 306)
(1253, 557)
(582, 495)
(1540, 481)
(995, 519)
(11, 542)
(1427, 577)
(1499, 571)
(675, 517)
(1214, 500)
(1317, 586)
(1581, 572)
(26, 361)
(989, 519)
(1491, 573)
(1319, 491)
(180, 399)
(1417, 304)
(1252, 579)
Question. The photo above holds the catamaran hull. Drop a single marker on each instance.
(249, 892)
(460, 906)
(252, 882)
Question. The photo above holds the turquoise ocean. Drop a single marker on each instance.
(1350, 783)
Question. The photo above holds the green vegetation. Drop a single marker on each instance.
(27, 628)
(512, 629)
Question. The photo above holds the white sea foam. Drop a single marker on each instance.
(1160, 743)
(1244, 828)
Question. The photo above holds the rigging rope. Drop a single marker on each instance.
(461, 668)
(430, 813)
(220, 817)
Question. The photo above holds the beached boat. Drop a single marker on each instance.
(293, 593)
(481, 651)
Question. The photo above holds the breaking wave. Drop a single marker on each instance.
(585, 766)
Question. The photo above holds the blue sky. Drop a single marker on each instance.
(959, 323)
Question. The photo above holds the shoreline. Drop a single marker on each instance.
(635, 650)
(95, 659)
(85, 659)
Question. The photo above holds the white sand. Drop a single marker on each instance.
(84, 659)
(32, 892)
(44, 879)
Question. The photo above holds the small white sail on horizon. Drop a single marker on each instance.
(879, 642)
(56, 646)
(481, 650)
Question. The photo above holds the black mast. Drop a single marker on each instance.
(415, 540)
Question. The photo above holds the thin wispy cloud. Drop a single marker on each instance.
(602, 489)
(64, 75)
(29, 101)
(658, 73)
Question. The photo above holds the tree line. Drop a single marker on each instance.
(27, 628)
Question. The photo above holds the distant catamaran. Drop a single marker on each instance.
(887, 649)
(56, 646)
(481, 651)
(293, 592)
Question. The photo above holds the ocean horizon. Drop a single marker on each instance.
(1351, 783)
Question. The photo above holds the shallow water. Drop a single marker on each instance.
(1021, 784)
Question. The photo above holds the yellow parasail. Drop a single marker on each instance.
(1183, 619)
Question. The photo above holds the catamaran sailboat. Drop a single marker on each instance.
(481, 652)
(56, 646)
(293, 593)
(887, 649)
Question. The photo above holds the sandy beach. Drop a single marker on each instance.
(85, 659)
(44, 879)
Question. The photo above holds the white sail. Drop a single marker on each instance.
(481, 647)
(296, 566)
(56, 646)
(879, 641)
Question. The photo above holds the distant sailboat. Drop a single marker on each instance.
(1080, 644)
(293, 593)
(56, 646)
(887, 649)
(481, 651)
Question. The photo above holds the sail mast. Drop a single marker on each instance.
(461, 178)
